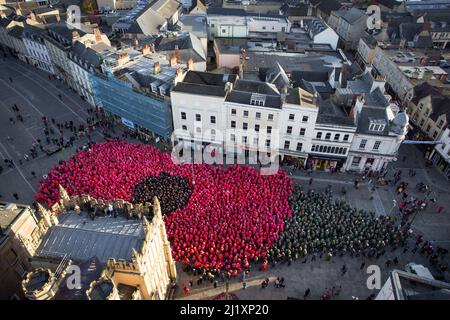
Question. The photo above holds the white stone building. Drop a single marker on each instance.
(381, 128)
(84, 59)
(441, 153)
(59, 41)
(37, 52)
(241, 116)
(199, 115)
(332, 137)
(350, 25)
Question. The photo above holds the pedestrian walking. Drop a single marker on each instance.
(306, 294)
(33, 174)
(310, 181)
(186, 290)
(16, 196)
(277, 283)
(282, 285)
(244, 285)
(344, 269)
(362, 265)
(388, 263)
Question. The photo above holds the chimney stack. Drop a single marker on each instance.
(75, 36)
(173, 60)
(146, 49)
(135, 42)
(177, 53)
(122, 58)
(18, 12)
(427, 75)
(2, 14)
(32, 16)
(156, 67)
(179, 74)
(98, 35)
(190, 64)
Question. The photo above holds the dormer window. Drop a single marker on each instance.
(257, 99)
(377, 126)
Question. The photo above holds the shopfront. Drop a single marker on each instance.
(324, 163)
(441, 163)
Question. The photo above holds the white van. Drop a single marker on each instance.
(419, 270)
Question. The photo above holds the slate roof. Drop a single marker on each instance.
(391, 4)
(423, 90)
(330, 113)
(204, 83)
(5, 22)
(147, 22)
(351, 16)
(316, 76)
(16, 32)
(326, 6)
(440, 104)
(62, 30)
(208, 78)
(81, 238)
(90, 55)
(299, 10)
(189, 45)
(243, 90)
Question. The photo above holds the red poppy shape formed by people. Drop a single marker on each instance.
(233, 215)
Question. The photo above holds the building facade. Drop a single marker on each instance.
(350, 25)
(20, 235)
(429, 110)
(37, 52)
(441, 154)
(148, 275)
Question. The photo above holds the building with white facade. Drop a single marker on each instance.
(35, 45)
(381, 128)
(242, 117)
(199, 115)
(238, 23)
(84, 58)
(333, 134)
(441, 153)
(149, 18)
(59, 41)
(350, 25)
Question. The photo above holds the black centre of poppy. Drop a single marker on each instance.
(173, 192)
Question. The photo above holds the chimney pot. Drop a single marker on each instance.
(146, 49)
(190, 64)
(98, 35)
(173, 60)
(157, 67)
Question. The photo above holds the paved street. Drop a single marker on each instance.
(37, 96)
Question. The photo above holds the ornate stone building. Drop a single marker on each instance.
(124, 254)
(20, 235)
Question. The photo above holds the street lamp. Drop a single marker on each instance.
(394, 202)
